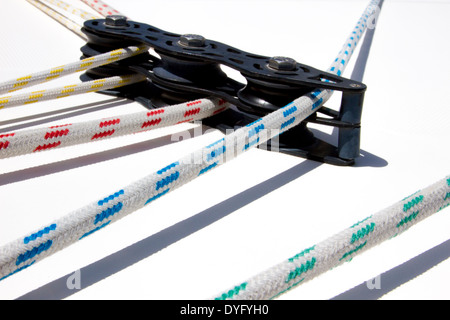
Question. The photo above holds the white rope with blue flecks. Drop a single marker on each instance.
(59, 234)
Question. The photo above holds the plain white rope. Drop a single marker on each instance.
(66, 22)
(52, 237)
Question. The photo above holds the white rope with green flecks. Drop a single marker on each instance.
(343, 246)
(57, 235)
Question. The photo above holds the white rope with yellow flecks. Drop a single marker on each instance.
(53, 73)
(69, 90)
(70, 68)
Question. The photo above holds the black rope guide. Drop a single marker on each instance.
(189, 67)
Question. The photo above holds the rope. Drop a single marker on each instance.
(34, 140)
(28, 141)
(69, 90)
(344, 245)
(66, 22)
(102, 8)
(78, 66)
(89, 63)
(23, 252)
(73, 10)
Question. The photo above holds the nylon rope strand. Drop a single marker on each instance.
(28, 141)
(48, 138)
(102, 8)
(70, 68)
(66, 22)
(343, 246)
(69, 90)
(45, 241)
(73, 10)
(22, 82)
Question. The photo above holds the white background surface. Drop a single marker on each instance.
(405, 134)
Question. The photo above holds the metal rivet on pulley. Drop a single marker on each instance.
(282, 63)
(116, 21)
(192, 40)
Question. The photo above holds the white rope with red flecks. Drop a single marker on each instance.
(48, 138)
(102, 8)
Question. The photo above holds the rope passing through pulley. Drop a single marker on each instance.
(188, 67)
(76, 225)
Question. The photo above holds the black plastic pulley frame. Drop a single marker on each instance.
(188, 67)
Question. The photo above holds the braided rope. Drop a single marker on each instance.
(66, 22)
(73, 10)
(70, 68)
(102, 8)
(21, 253)
(344, 245)
(34, 140)
(69, 90)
